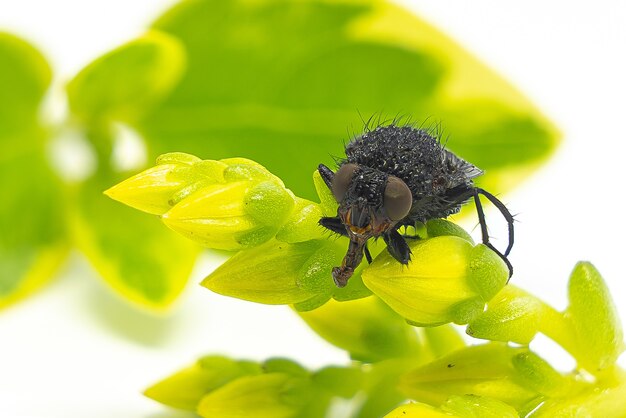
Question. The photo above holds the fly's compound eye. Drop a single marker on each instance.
(342, 180)
(398, 198)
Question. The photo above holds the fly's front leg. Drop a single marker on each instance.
(327, 175)
(397, 246)
(334, 224)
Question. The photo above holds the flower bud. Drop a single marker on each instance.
(303, 223)
(272, 395)
(271, 273)
(483, 370)
(447, 280)
(594, 318)
(185, 388)
(366, 328)
(149, 191)
(472, 406)
(512, 315)
(418, 410)
(175, 176)
(232, 216)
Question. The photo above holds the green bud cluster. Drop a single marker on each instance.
(393, 320)
(216, 386)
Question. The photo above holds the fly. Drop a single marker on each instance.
(395, 176)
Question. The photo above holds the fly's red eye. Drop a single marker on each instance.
(398, 199)
(342, 180)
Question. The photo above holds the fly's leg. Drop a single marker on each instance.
(483, 226)
(327, 175)
(397, 246)
(349, 264)
(334, 224)
(505, 213)
(368, 256)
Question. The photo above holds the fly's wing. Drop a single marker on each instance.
(459, 169)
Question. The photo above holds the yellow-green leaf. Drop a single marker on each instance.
(139, 258)
(249, 91)
(33, 240)
(127, 82)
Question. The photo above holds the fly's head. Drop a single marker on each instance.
(371, 203)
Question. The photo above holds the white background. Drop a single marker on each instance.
(75, 350)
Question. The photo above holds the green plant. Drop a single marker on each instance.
(392, 320)
(226, 78)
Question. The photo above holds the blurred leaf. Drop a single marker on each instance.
(32, 223)
(442, 340)
(290, 76)
(139, 258)
(24, 78)
(366, 328)
(381, 392)
(340, 381)
(125, 83)
(594, 317)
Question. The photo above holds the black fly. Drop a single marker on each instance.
(395, 176)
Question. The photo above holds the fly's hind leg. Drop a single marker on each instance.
(483, 225)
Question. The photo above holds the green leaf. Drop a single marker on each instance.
(127, 82)
(594, 318)
(33, 239)
(275, 75)
(24, 78)
(366, 328)
(139, 258)
(185, 388)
